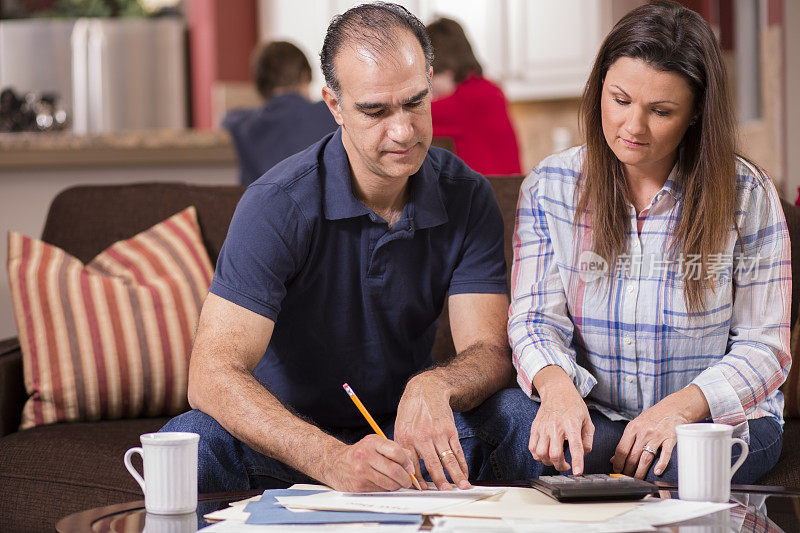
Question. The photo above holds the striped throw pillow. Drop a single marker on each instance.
(110, 339)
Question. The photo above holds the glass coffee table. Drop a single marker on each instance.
(762, 509)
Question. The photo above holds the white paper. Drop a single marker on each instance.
(471, 493)
(664, 512)
(256, 498)
(456, 524)
(309, 486)
(615, 525)
(234, 512)
(530, 504)
(402, 501)
(239, 527)
(645, 517)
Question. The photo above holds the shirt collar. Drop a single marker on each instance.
(429, 210)
(671, 185)
(340, 201)
(286, 99)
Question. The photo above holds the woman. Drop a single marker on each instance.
(651, 279)
(467, 107)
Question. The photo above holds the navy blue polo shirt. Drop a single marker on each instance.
(352, 299)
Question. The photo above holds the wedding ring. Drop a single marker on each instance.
(445, 454)
(648, 449)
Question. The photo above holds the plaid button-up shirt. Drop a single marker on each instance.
(626, 339)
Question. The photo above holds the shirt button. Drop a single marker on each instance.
(635, 244)
(627, 339)
(629, 379)
(631, 288)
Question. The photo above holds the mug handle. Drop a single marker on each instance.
(742, 457)
(135, 474)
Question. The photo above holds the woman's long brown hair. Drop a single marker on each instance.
(452, 50)
(672, 38)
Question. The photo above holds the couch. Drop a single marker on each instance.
(51, 471)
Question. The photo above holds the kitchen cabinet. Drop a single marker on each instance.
(536, 49)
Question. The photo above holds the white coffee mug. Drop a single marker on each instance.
(170, 471)
(704, 461)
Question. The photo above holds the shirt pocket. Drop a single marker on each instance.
(713, 321)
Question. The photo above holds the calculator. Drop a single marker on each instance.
(594, 487)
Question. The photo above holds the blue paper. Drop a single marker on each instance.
(269, 495)
(268, 511)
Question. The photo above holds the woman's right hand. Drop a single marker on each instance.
(562, 415)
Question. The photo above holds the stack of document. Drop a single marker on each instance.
(480, 509)
(315, 506)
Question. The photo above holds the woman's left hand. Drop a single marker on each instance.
(655, 428)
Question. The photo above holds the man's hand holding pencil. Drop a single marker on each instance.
(374, 463)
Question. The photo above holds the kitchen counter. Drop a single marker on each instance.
(126, 149)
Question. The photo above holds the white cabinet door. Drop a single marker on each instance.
(302, 22)
(483, 22)
(536, 49)
(552, 46)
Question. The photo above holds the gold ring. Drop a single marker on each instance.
(445, 454)
(648, 449)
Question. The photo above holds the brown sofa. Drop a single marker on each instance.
(51, 471)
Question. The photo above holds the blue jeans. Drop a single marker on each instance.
(766, 438)
(495, 444)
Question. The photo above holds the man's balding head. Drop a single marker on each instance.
(373, 27)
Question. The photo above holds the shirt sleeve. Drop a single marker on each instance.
(481, 267)
(539, 328)
(266, 245)
(758, 357)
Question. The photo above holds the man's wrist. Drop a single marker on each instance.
(322, 470)
(431, 380)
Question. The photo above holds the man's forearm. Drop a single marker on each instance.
(254, 416)
(472, 375)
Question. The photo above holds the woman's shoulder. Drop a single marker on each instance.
(758, 201)
(753, 183)
(556, 174)
(562, 166)
(750, 176)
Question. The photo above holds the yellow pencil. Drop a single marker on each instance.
(372, 423)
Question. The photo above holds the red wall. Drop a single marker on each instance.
(222, 35)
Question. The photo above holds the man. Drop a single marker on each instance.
(337, 264)
(288, 122)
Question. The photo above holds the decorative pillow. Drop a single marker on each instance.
(110, 339)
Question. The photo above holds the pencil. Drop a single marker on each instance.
(372, 423)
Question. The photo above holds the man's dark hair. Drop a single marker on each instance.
(277, 65)
(374, 25)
